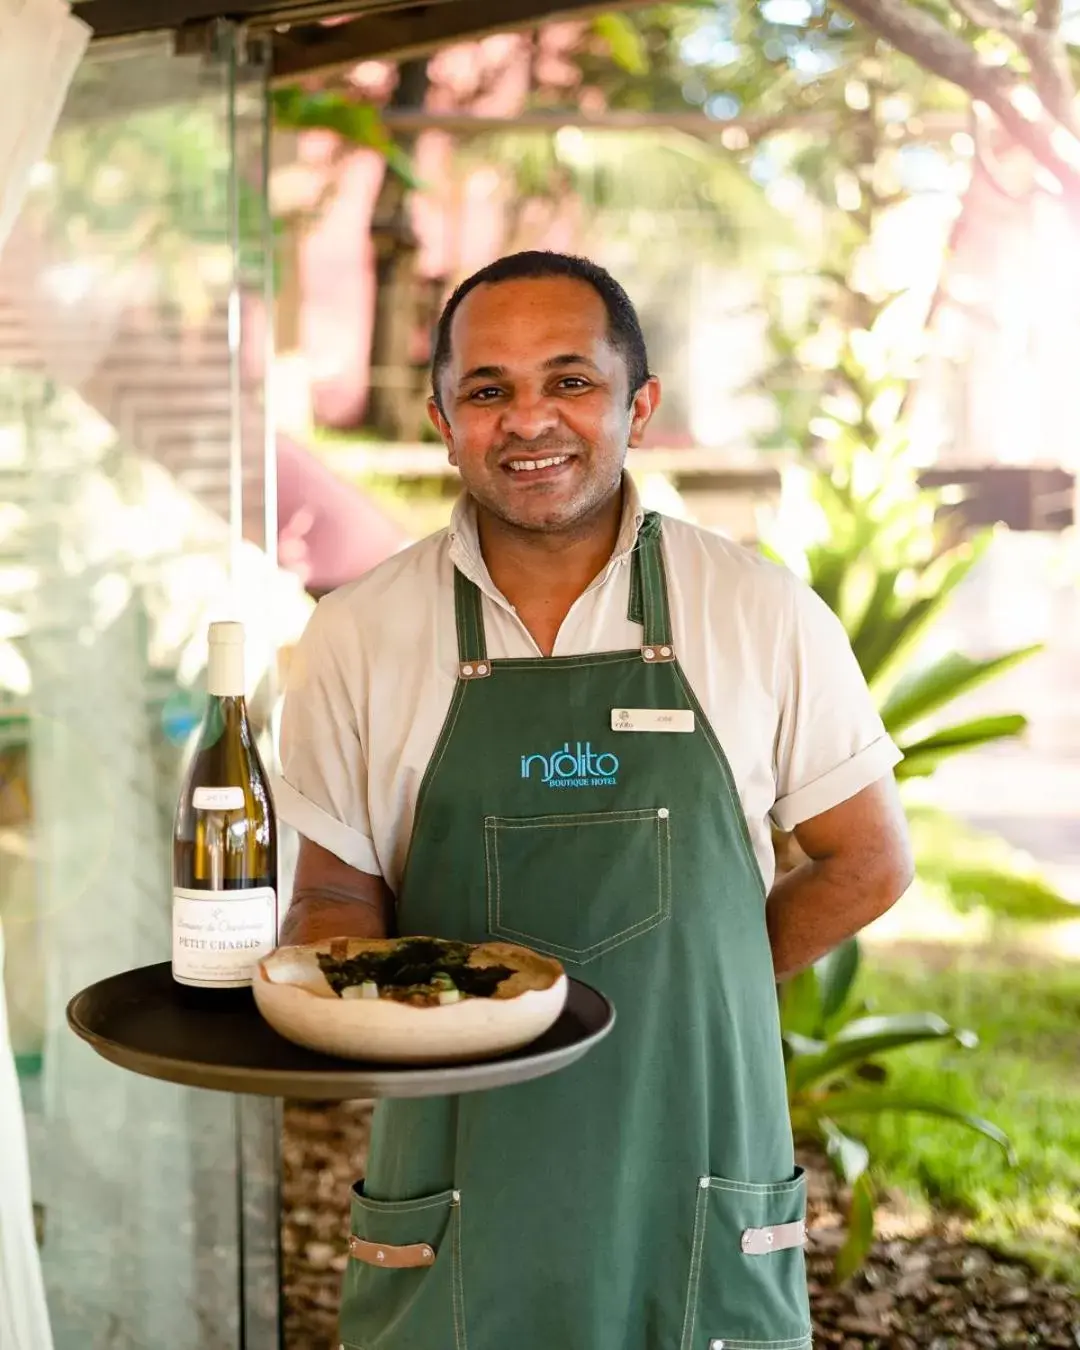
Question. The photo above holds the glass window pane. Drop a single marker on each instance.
(132, 511)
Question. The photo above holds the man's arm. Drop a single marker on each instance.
(332, 899)
(858, 865)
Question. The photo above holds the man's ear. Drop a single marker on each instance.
(646, 401)
(442, 426)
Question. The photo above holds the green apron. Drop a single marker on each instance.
(647, 1197)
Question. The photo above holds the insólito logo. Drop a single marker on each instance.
(572, 768)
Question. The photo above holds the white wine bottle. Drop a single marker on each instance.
(225, 911)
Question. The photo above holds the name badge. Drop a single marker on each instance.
(652, 719)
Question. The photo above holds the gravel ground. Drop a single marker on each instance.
(927, 1290)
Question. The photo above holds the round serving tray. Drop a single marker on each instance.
(137, 1021)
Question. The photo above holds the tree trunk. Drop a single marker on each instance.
(395, 401)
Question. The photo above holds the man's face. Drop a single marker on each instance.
(537, 411)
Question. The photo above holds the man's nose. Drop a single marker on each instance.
(529, 416)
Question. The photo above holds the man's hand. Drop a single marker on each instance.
(858, 865)
(332, 899)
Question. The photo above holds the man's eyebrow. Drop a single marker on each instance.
(553, 363)
(484, 373)
(570, 359)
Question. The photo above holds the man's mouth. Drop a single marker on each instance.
(532, 465)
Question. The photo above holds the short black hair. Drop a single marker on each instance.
(624, 327)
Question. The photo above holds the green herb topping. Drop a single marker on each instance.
(415, 966)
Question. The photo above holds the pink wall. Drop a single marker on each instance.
(459, 217)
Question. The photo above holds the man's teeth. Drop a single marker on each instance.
(519, 464)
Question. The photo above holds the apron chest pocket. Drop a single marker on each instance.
(403, 1286)
(747, 1285)
(576, 886)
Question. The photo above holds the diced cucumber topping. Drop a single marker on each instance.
(369, 989)
(449, 995)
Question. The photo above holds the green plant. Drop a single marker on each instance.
(356, 121)
(883, 553)
(833, 1050)
(885, 556)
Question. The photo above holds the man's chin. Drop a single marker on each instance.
(545, 511)
(547, 518)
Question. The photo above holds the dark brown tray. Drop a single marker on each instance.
(135, 1020)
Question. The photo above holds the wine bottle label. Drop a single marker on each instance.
(218, 799)
(219, 935)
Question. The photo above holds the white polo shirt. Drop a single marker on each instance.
(372, 678)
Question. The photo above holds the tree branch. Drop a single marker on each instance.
(993, 15)
(917, 35)
(1048, 15)
(1039, 41)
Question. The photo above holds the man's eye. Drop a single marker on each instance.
(484, 395)
(575, 382)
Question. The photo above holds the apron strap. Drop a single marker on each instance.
(472, 644)
(648, 605)
(648, 581)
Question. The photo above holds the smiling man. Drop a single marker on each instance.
(568, 722)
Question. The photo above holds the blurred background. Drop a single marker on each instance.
(853, 237)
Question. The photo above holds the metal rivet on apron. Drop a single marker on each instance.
(716, 1345)
(649, 654)
(428, 1253)
(703, 1182)
(768, 1239)
(663, 813)
(665, 651)
(380, 1256)
(466, 670)
(481, 670)
(455, 1198)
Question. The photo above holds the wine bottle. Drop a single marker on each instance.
(225, 912)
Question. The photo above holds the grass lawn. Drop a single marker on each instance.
(1024, 1076)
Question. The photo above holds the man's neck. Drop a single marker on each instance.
(542, 574)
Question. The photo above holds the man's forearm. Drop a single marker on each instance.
(822, 902)
(319, 912)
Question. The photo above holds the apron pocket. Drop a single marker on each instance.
(575, 886)
(403, 1285)
(747, 1288)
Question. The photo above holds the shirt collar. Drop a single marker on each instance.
(465, 539)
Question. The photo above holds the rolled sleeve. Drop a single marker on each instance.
(838, 784)
(323, 785)
(310, 820)
(831, 742)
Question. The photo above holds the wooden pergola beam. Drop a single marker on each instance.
(695, 121)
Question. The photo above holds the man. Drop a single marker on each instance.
(679, 691)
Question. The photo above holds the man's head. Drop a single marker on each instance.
(540, 361)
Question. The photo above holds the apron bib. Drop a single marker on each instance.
(645, 1198)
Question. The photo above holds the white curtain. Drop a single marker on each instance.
(24, 1319)
(41, 45)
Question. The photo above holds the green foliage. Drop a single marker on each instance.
(667, 180)
(873, 545)
(860, 1228)
(742, 59)
(625, 42)
(355, 120)
(975, 870)
(1024, 1074)
(833, 1056)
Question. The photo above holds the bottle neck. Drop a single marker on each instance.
(225, 670)
(227, 710)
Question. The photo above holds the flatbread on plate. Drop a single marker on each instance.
(411, 1000)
